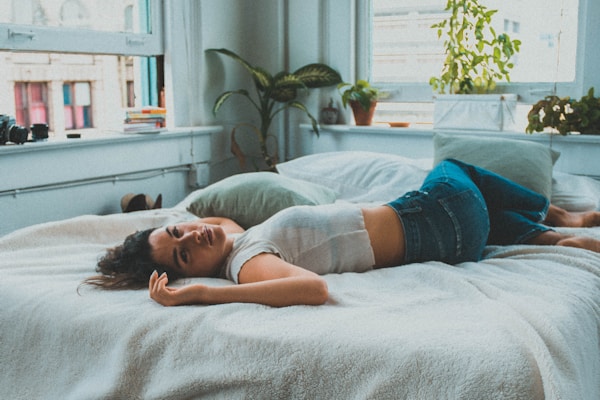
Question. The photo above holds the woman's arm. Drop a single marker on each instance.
(264, 279)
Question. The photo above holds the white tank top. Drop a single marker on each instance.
(324, 239)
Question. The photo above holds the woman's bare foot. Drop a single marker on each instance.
(563, 218)
(553, 238)
(589, 219)
(581, 243)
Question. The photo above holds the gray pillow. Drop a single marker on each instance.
(527, 163)
(251, 198)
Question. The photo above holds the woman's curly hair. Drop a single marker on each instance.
(129, 265)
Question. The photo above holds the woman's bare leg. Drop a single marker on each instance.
(552, 238)
(563, 218)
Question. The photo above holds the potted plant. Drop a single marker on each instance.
(362, 98)
(274, 94)
(476, 58)
(566, 115)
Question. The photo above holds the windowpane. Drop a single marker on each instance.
(20, 103)
(31, 103)
(98, 15)
(406, 49)
(94, 57)
(78, 111)
(105, 87)
(82, 94)
(67, 94)
(36, 92)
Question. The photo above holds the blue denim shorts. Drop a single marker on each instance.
(461, 208)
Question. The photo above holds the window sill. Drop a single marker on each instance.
(106, 138)
(74, 160)
(426, 130)
(578, 152)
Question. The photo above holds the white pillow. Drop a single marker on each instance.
(360, 176)
(574, 192)
(526, 163)
(364, 177)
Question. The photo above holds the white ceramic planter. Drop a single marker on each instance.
(490, 112)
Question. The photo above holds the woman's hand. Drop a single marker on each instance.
(169, 296)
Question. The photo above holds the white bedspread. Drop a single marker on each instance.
(522, 324)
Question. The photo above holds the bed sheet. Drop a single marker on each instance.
(524, 323)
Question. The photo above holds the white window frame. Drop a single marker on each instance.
(17, 37)
(586, 74)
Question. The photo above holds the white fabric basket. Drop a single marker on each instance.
(490, 112)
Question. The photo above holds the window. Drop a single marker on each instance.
(82, 26)
(31, 100)
(405, 52)
(78, 105)
(78, 64)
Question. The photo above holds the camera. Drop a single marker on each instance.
(11, 132)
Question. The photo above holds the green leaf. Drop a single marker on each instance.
(233, 55)
(497, 54)
(313, 121)
(490, 13)
(318, 75)
(262, 78)
(477, 60)
(585, 121)
(284, 94)
(224, 96)
(285, 86)
(285, 79)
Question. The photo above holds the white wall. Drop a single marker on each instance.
(250, 28)
(273, 34)
(320, 31)
(61, 179)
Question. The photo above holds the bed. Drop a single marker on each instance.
(524, 323)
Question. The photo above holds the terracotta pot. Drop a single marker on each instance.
(362, 117)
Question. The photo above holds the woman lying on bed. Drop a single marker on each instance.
(457, 211)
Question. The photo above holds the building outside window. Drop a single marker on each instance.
(78, 64)
(405, 51)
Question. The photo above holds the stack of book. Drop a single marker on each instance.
(146, 119)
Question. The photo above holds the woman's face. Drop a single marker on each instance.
(193, 249)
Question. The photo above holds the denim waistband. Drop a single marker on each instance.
(448, 223)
